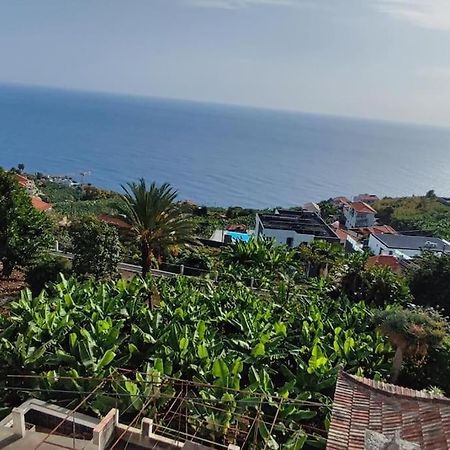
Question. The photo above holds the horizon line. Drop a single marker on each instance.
(223, 104)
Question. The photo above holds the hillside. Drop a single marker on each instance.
(428, 214)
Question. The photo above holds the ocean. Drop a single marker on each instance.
(218, 155)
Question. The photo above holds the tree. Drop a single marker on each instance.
(376, 285)
(46, 270)
(319, 257)
(430, 281)
(412, 333)
(21, 167)
(96, 249)
(25, 233)
(157, 221)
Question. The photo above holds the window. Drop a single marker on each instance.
(290, 242)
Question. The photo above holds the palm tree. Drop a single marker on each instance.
(412, 333)
(156, 220)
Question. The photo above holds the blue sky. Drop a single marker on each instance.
(387, 59)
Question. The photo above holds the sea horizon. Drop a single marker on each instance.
(218, 154)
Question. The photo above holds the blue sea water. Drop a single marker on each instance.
(215, 154)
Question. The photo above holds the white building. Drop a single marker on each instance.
(410, 246)
(293, 228)
(359, 214)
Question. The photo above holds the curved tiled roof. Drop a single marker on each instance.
(362, 404)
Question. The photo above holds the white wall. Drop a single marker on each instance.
(378, 248)
(356, 220)
(281, 236)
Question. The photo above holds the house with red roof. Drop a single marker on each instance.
(376, 229)
(40, 205)
(115, 221)
(359, 214)
(390, 261)
(27, 184)
(372, 415)
(341, 202)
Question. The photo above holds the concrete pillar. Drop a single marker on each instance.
(146, 427)
(18, 417)
(103, 433)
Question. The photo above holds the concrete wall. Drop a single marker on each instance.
(378, 248)
(281, 236)
(354, 219)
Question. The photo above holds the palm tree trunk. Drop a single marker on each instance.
(7, 268)
(397, 363)
(145, 258)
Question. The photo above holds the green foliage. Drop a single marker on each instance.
(430, 281)
(93, 193)
(287, 342)
(413, 332)
(197, 257)
(220, 218)
(328, 211)
(234, 212)
(320, 257)
(96, 248)
(56, 193)
(376, 285)
(157, 221)
(414, 325)
(25, 233)
(76, 202)
(432, 372)
(46, 270)
(416, 213)
(259, 259)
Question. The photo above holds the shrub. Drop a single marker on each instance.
(25, 233)
(46, 270)
(430, 281)
(96, 249)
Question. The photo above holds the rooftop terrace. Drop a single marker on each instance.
(302, 222)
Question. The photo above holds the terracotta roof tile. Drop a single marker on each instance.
(40, 204)
(384, 261)
(361, 404)
(376, 229)
(116, 221)
(362, 207)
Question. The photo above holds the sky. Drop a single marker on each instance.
(384, 59)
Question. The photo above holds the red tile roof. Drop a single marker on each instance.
(384, 261)
(116, 221)
(40, 204)
(362, 207)
(341, 234)
(361, 404)
(377, 229)
(341, 201)
(22, 180)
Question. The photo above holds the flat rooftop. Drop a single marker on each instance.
(302, 222)
(404, 242)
